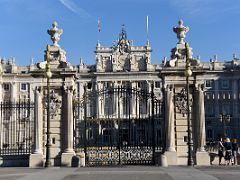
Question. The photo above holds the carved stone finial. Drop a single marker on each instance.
(55, 33)
(181, 31)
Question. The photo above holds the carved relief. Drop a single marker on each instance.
(55, 103)
(181, 101)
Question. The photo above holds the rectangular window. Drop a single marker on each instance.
(23, 86)
(209, 83)
(157, 84)
(6, 86)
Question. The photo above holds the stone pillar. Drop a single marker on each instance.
(13, 92)
(115, 99)
(133, 104)
(36, 159)
(67, 156)
(13, 118)
(99, 101)
(170, 153)
(170, 136)
(202, 157)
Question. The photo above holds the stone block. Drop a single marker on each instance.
(81, 159)
(182, 161)
(180, 116)
(171, 157)
(180, 142)
(182, 148)
(180, 135)
(202, 159)
(181, 122)
(181, 128)
(36, 161)
(67, 159)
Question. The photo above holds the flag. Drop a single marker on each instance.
(99, 28)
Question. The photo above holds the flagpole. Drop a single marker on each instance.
(99, 29)
(147, 31)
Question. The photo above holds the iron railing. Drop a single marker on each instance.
(16, 128)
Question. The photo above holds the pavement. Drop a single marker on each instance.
(124, 173)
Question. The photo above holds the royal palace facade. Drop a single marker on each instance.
(121, 110)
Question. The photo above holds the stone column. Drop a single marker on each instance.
(170, 134)
(202, 157)
(133, 104)
(170, 153)
(200, 115)
(36, 159)
(13, 120)
(99, 101)
(38, 122)
(13, 92)
(115, 99)
(68, 154)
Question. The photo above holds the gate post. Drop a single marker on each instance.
(68, 154)
(36, 159)
(170, 153)
(202, 157)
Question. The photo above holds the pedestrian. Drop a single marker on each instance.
(234, 151)
(220, 150)
(228, 151)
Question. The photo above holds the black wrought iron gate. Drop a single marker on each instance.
(119, 125)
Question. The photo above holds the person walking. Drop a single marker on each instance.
(234, 151)
(220, 150)
(228, 150)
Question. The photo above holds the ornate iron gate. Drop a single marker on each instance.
(118, 125)
(16, 128)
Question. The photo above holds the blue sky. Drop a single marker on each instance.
(214, 26)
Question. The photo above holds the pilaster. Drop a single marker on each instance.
(67, 156)
(36, 159)
(170, 153)
(202, 157)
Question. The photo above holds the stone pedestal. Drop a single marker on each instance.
(171, 157)
(202, 159)
(67, 159)
(36, 161)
